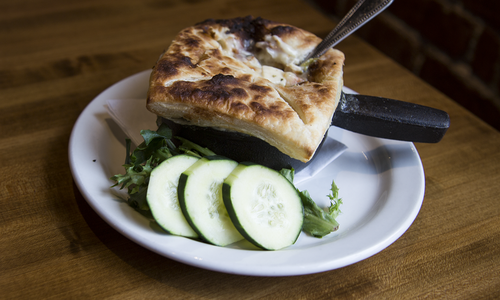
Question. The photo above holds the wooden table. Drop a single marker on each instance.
(56, 56)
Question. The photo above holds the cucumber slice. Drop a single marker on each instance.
(162, 195)
(200, 197)
(264, 206)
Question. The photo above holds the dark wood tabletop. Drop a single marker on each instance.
(56, 56)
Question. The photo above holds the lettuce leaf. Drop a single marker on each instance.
(335, 201)
(317, 221)
(156, 148)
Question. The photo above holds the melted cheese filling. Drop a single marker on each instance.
(273, 59)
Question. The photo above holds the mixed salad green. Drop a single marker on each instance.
(159, 145)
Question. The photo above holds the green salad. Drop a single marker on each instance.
(191, 191)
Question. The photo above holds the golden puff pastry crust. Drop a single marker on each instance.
(242, 75)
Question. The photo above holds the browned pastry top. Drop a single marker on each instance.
(242, 75)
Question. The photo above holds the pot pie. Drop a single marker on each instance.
(243, 75)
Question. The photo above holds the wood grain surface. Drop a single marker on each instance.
(56, 56)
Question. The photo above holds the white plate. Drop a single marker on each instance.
(381, 182)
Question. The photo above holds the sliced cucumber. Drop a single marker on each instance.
(162, 195)
(200, 197)
(264, 206)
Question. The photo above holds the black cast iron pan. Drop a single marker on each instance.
(373, 116)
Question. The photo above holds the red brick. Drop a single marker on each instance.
(439, 74)
(410, 11)
(328, 7)
(341, 7)
(334, 8)
(392, 40)
(448, 29)
(496, 87)
(337, 8)
(487, 10)
(486, 59)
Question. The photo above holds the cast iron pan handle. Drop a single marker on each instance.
(391, 119)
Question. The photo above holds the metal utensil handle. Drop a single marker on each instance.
(362, 12)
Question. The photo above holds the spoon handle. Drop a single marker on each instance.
(362, 12)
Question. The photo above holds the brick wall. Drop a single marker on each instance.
(454, 45)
